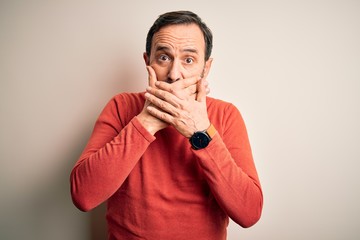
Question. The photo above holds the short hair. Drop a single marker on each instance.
(180, 17)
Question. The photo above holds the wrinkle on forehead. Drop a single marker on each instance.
(178, 37)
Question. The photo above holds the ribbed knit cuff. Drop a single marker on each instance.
(148, 136)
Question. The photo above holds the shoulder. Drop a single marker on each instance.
(217, 105)
(224, 115)
(128, 98)
(127, 102)
(123, 107)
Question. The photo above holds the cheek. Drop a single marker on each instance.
(161, 72)
(192, 71)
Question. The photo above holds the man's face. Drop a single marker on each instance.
(178, 52)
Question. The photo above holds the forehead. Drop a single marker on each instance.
(180, 36)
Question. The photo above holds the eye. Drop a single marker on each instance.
(164, 58)
(189, 60)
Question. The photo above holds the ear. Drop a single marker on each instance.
(146, 59)
(207, 67)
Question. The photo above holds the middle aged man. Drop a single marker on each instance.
(171, 163)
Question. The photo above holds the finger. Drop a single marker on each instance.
(191, 90)
(187, 82)
(159, 114)
(207, 91)
(163, 95)
(161, 105)
(178, 85)
(206, 84)
(182, 89)
(201, 89)
(151, 76)
(194, 88)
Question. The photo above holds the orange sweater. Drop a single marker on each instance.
(158, 187)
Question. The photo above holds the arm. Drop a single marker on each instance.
(114, 148)
(111, 153)
(227, 161)
(229, 169)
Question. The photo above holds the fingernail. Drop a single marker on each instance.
(148, 88)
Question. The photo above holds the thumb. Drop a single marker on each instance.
(151, 76)
(201, 91)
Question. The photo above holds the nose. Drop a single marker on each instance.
(174, 72)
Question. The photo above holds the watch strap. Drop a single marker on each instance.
(211, 131)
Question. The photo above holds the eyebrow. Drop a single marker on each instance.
(192, 50)
(165, 48)
(162, 48)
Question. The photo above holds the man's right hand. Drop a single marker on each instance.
(151, 123)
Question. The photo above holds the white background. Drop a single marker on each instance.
(291, 67)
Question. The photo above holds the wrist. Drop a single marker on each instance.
(204, 126)
(148, 125)
(201, 139)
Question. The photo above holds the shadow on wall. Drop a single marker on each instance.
(48, 213)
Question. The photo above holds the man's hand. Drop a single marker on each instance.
(151, 123)
(181, 104)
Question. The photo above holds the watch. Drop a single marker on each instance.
(201, 139)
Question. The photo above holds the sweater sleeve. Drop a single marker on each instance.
(230, 171)
(113, 150)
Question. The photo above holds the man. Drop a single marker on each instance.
(171, 163)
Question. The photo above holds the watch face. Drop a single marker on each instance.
(199, 140)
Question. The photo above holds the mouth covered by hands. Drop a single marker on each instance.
(181, 104)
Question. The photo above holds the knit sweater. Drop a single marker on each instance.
(157, 186)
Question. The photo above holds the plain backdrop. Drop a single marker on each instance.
(291, 67)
